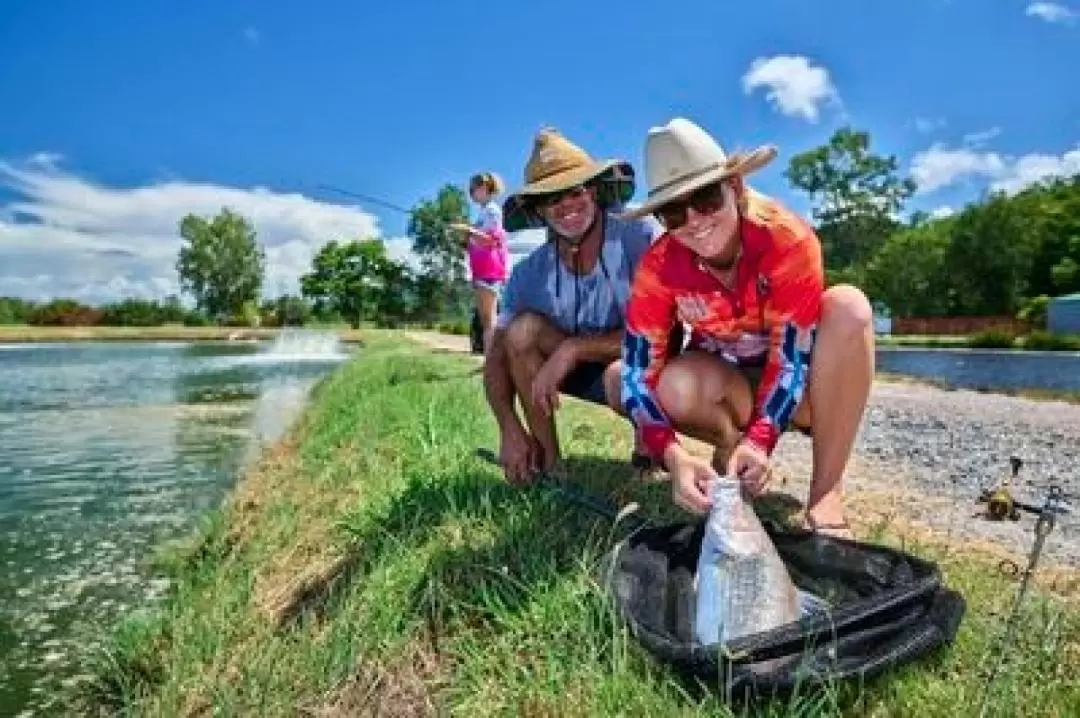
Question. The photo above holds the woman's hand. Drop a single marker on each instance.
(750, 465)
(691, 480)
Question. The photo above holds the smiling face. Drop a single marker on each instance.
(707, 222)
(479, 194)
(570, 212)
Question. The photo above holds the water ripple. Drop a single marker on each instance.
(105, 451)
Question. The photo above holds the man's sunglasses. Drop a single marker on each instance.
(553, 198)
(705, 200)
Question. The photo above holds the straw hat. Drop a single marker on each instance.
(680, 157)
(556, 164)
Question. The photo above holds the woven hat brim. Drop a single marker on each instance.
(742, 164)
(566, 180)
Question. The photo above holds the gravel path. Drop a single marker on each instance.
(926, 452)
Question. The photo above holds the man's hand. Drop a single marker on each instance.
(545, 387)
(751, 466)
(691, 478)
(519, 454)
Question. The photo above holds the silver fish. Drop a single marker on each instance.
(742, 584)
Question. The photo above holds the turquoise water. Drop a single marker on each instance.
(107, 450)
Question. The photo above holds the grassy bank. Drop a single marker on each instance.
(371, 561)
(27, 333)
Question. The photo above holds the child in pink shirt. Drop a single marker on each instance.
(489, 256)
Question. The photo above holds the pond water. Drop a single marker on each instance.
(985, 369)
(107, 450)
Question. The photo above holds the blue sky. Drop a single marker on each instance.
(121, 116)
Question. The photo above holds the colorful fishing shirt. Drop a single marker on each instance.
(768, 319)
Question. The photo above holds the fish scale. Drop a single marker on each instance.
(742, 586)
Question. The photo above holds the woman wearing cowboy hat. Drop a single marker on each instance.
(745, 274)
(560, 325)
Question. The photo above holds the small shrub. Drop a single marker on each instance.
(1045, 341)
(993, 339)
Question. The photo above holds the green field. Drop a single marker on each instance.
(372, 560)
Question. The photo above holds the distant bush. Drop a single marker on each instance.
(65, 313)
(1034, 311)
(1045, 341)
(459, 328)
(993, 339)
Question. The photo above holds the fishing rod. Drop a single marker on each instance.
(439, 224)
(1051, 508)
(597, 504)
(366, 198)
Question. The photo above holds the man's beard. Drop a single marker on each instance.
(572, 236)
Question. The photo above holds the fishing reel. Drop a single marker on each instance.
(1002, 505)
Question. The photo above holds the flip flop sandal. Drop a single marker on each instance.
(840, 530)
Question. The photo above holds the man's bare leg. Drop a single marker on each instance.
(530, 340)
(841, 375)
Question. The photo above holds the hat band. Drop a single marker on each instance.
(683, 178)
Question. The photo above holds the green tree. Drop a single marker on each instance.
(989, 257)
(441, 250)
(908, 273)
(857, 193)
(443, 285)
(220, 263)
(355, 280)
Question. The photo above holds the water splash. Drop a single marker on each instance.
(299, 345)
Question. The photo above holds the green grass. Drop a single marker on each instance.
(464, 596)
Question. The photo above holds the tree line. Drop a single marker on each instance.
(999, 255)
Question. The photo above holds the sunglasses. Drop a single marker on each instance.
(553, 198)
(705, 200)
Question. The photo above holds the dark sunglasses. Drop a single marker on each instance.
(553, 198)
(705, 200)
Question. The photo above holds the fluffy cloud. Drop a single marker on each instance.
(1052, 12)
(66, 235)
(793, 85)
(941, 166)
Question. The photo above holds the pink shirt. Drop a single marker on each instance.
(489, 263)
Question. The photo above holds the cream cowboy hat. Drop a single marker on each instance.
(557, 164)
(680, 157)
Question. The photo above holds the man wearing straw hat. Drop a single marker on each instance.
(563, 310)
(745, 274)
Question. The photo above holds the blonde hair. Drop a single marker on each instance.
(489, 181)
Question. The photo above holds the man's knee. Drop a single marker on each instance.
(847, 310)
(523, 331)
(613, 386)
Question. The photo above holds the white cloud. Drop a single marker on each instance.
(942, 212)
(65, 235)
(794, 86)
(941, 166)
(1052, 12)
